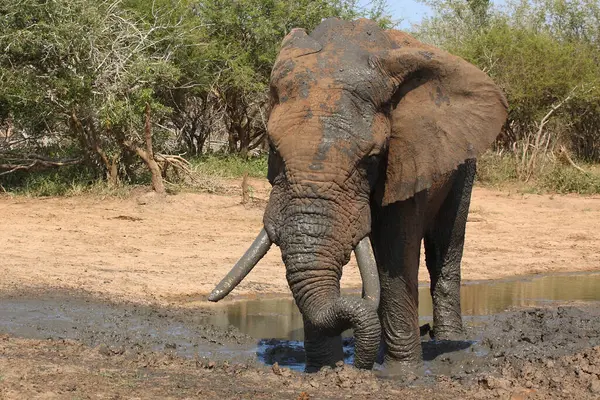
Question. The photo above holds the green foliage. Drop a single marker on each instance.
(565, 179)
(230, 166)
(500, 170)
(76, 75)
(495, 169)
(543, 53)
(50, 183)
(78, 54)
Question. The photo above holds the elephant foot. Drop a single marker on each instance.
(410, 358)
(321, 350)
(448, 333)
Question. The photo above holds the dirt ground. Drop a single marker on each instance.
(144, 250)
(135, 264)
(542, 353)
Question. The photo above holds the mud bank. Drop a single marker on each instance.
(94, 348)
(117, 327)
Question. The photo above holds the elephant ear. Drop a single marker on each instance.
(445, 112)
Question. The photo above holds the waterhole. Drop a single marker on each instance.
(279, 318)
(279, 322)
(274, 324)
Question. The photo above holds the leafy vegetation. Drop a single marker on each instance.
(500, 170)
(118, 87)
(230, 166)
(544, 54)
(133, 92)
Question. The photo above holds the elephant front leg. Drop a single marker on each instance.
(397, 231)
(321, 350)
(399, 318)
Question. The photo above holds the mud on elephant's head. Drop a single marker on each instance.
(360, 116)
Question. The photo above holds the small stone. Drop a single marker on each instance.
(70, 387)
(339, 364)
(303, 396)
(211, 364)
(170, 346)
(345, 384)
(495, 383)
(315, 384)
(521, 394)
(104, 350)
(326, 370)
(594, 387)
(557, 380)
(276, 369)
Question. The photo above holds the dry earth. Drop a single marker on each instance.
(145, 250)
(139, 260)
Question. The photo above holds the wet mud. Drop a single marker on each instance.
(118, 327)
(73, 345)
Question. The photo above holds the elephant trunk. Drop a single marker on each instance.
(314, 281)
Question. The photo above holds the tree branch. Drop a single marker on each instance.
(36, 164)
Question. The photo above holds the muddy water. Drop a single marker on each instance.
(280, 319)
(274, 326)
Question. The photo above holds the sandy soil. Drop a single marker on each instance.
(164, 251)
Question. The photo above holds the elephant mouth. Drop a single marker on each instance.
(261, 245)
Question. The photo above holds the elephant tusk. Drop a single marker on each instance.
(368, 271)
(251, 257)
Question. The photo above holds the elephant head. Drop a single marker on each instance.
(360, 116)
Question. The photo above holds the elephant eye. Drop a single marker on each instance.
(371, 159)
(370, 165)
(275, 165)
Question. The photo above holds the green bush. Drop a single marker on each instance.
(60, 182)
(230, 166)
(501, 170)
(544, 55)
(566, 179)
(495, 170)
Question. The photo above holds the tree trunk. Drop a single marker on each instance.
(147, 155)
(110, 165)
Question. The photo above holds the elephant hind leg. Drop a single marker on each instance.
(444, 243)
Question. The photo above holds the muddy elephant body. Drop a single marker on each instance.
(373, 140)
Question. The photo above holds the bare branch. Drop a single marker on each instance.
(38, 164)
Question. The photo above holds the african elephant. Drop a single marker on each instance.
(373, 138)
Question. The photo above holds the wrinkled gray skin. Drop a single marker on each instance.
(332, 166)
